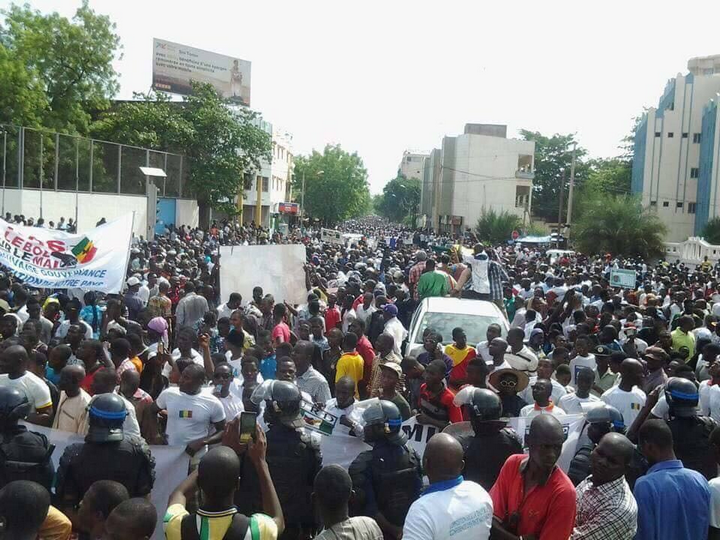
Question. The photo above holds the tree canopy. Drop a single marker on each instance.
(336, 186)
(618, 224)
(399, 200)
(497, 227)
(553, 157)
(222, 142)
(711, 231)
(56, 71)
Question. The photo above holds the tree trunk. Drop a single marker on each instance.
(204, 215)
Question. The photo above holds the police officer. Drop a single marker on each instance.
(388, 478)
(691, 433)
(25, 454)
(107, 454)
(493, 442)
(293, 457)
(599, 420)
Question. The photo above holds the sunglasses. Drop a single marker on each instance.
(508, 384)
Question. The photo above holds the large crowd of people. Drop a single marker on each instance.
(175, 361)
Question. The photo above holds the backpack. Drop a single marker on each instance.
(237, 530)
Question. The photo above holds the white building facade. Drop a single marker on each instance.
(275, 177)
(479, 170)
(675, 168)
(412, 164)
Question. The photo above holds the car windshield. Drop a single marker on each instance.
(475, 326)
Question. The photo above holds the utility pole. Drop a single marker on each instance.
(302, 198)
(258, 202)
(570, 192)
(562, 196)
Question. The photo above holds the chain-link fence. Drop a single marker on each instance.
(38, 159)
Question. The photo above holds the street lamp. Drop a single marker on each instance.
(302, 197)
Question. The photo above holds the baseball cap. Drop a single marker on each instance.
(390, 309)
(133, 281)
(394, 367)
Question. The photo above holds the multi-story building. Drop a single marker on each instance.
(275, 177)
(411, 165)
(479, 170)
(675, 168)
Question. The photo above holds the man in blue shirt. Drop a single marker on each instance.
(673, 502)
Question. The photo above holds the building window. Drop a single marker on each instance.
(658, 133)
(694, 172)
(691, 207)
(522, 196)
(666, 204)
(697, 137)
(679, 205)
(684, 135)
(670, 134)
(265, 183)
(653, 203)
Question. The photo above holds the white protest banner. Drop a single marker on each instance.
(277, 269)
(341, 449)
(572, 427)
(331, 236)
(171, 468)
(623, 278)
(46, 258)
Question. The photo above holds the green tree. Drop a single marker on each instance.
(618, 224)
(400, 199)
(711, 231)
(222, 142)
(553, 158)
(70, 61)
(496, 227)
(22, 97)
(336, 186)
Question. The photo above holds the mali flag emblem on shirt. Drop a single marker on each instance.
(84, 251)
(185, 414)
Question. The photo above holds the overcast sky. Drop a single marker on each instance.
(380, 77)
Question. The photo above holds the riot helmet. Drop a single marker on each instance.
(106, 416)
(14, 406)
(682, 397)
(383, 420)
(603, 419)
(282, 402)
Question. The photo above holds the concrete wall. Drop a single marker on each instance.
(91, 207)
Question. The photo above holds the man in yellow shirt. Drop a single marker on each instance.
(351, 363)
(682, 336)
(217, 478)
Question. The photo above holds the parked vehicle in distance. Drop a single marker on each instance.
(443, 314)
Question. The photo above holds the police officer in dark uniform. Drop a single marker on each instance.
(293, 458)
(106, 454)
(493, 442)
(599, 421)
(388, 478)
(691, 433)
(24, 455)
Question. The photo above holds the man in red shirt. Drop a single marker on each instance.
(436, 401)
(281, 331)
(364, 349)
(332, 314)
(533, 497)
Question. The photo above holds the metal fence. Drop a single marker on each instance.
(46, 160)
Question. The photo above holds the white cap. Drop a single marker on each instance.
(133, 281)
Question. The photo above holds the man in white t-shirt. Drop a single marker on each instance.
(191, 413)
(13, 364)
(450, 507)
(584, 358)
(581, 400)
(627, 397)
(541, 392)
(714, 485)
(343, 407)
(220, 388)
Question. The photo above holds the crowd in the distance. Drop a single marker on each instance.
(170, 361)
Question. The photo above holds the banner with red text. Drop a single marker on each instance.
(46, 258)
